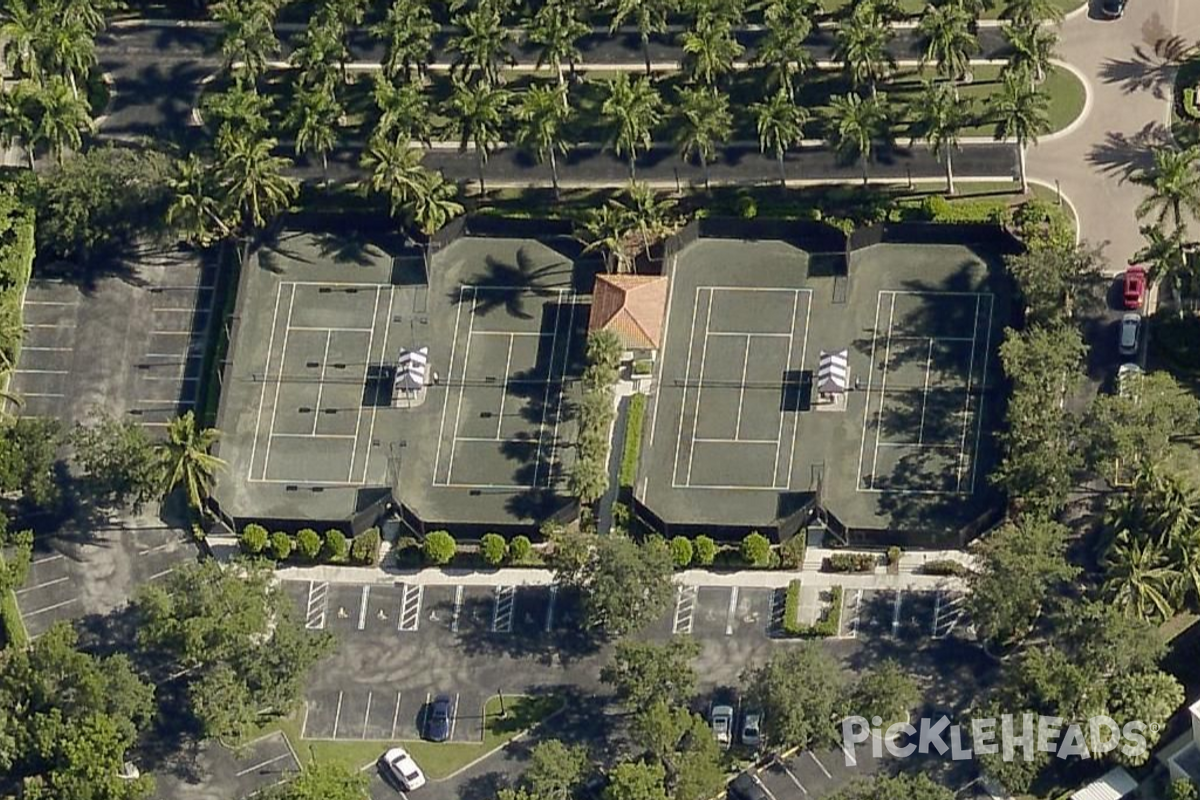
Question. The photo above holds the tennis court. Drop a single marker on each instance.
(504, 398)
(746, 348)
(927, 385)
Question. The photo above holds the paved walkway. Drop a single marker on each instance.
(1130, 82)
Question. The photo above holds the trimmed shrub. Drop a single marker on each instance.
(851, 562)
(364, 548)
(621, 515)
(945, 566)
(1182, 789)
(308, 544)
(632, 448)
(791, 552)
(253, 539)
(823, 628)
(756, 550)
(439, 548)
(281, 545)
(493, 548)
(335, 549)
(704, 551)
(520, 549)
(893, 556)
(681, 551)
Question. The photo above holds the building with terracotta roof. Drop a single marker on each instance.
(631, 306)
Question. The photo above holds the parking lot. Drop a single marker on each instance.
(128, 345)
(71, 577)
(217, 773)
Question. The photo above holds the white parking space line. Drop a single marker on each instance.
(396, 713)
(409, 618)
(29, 348)
(946, 614)
(367, 714)
(304, 722)
(767, 791)
(685, 609)
(851, 756)
(788, 771)
(156, 549)
(459, 592)
(362, 609)
(42, 585)
(820, 766)
(41, 372)
(732, 612)
(337, 715)
(318, 603)
(550, 607)
(162, 574)
(896, 613)
(28, 614)
(262, 764)
(454, 717)
(502, 609)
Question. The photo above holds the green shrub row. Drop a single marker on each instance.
(633, 443)
(827, 626)
(17, 246)
(851, 562)
(308, 546)
(945, 566)
(440, 549)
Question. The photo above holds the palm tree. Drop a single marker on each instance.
(480, 112)
(247, 34)
(70, 51)
(322, 54)
(23, 30)
(195, 208)
(60, 118)
(407, 31)
(542, 119)
(650, 16)
(434, 205)
(709, 50)
(238, 110)
(604, 229)
(395, 171)
(556, 30)
(891, 10)
(862, 47)
(1174, 184)
(939, 122)
(17, 117)
(1022, 115)
(1166, 254)
(781, 50)
(704, 123)
(313, 118)
(1032, 48)
(643, 209)
(481, 44)
(632, 110)
(949, 42)
(854, 126)
(403, 111)
(187, 460)
(1138, 581)
(253, 180)
(780, 123)
(92, 14)
(1032, 12)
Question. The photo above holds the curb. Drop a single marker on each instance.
(1088, 101)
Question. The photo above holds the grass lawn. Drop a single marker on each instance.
(438, 761)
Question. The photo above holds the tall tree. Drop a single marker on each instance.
(196, 209)
(404, 114)
(624, 585)
(1022, 115)
(649, 16)
(187, 460)
(542, 117)
(1031, 49)
(949, 42)
(862, 46)
(24, 25)
(556, 30)
(1053, 281)
(254, 182)
(407, 31)
(118, 461)
(248, 38)
(940, 119)
(641, 672)
(322, 53)
(709, 50)
(323, 781)
(632, 110)
(395, 171)
(555, 769)
(705, 122)
(313, 119)
(899, 787)
(1032, 12)
(780, 124)
(1139, 579)
(481, 44)
(781, 50)
(636, 780)
(1167, 258)
(1174, 185)
(479, 112)
(17, 118)
(435, 205)
(798, 689)
(855, 125)
(61, 119)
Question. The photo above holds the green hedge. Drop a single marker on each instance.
(823, 628)
(15, 634)
(17, 245)
(945, 566)
(633, 443)
(851, 562)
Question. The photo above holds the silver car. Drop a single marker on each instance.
(721, 719)
(752, 728)
(1131, 325)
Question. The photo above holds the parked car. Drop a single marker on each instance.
(1130, 328)
(1113, 9)
(437, 721)
(721, 719)
(745, 787)
(402, 767)
(1133, 289)
(1127, 378)
(752, 728)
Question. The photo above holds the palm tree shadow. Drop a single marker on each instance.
(1143, 72)
(511, 284)
(1124, 156)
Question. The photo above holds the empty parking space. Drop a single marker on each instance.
(220, 772)
(904, 617)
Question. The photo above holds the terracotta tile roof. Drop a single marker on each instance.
(631, 306)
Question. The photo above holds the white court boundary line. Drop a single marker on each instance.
(748, 336)
(961, 447)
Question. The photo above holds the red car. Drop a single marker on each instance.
(1134, 287)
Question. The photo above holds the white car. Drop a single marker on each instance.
(721, 718)
(1128, 376)
(404, 769)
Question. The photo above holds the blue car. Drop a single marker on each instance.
(437, 721)
(1113, 9)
